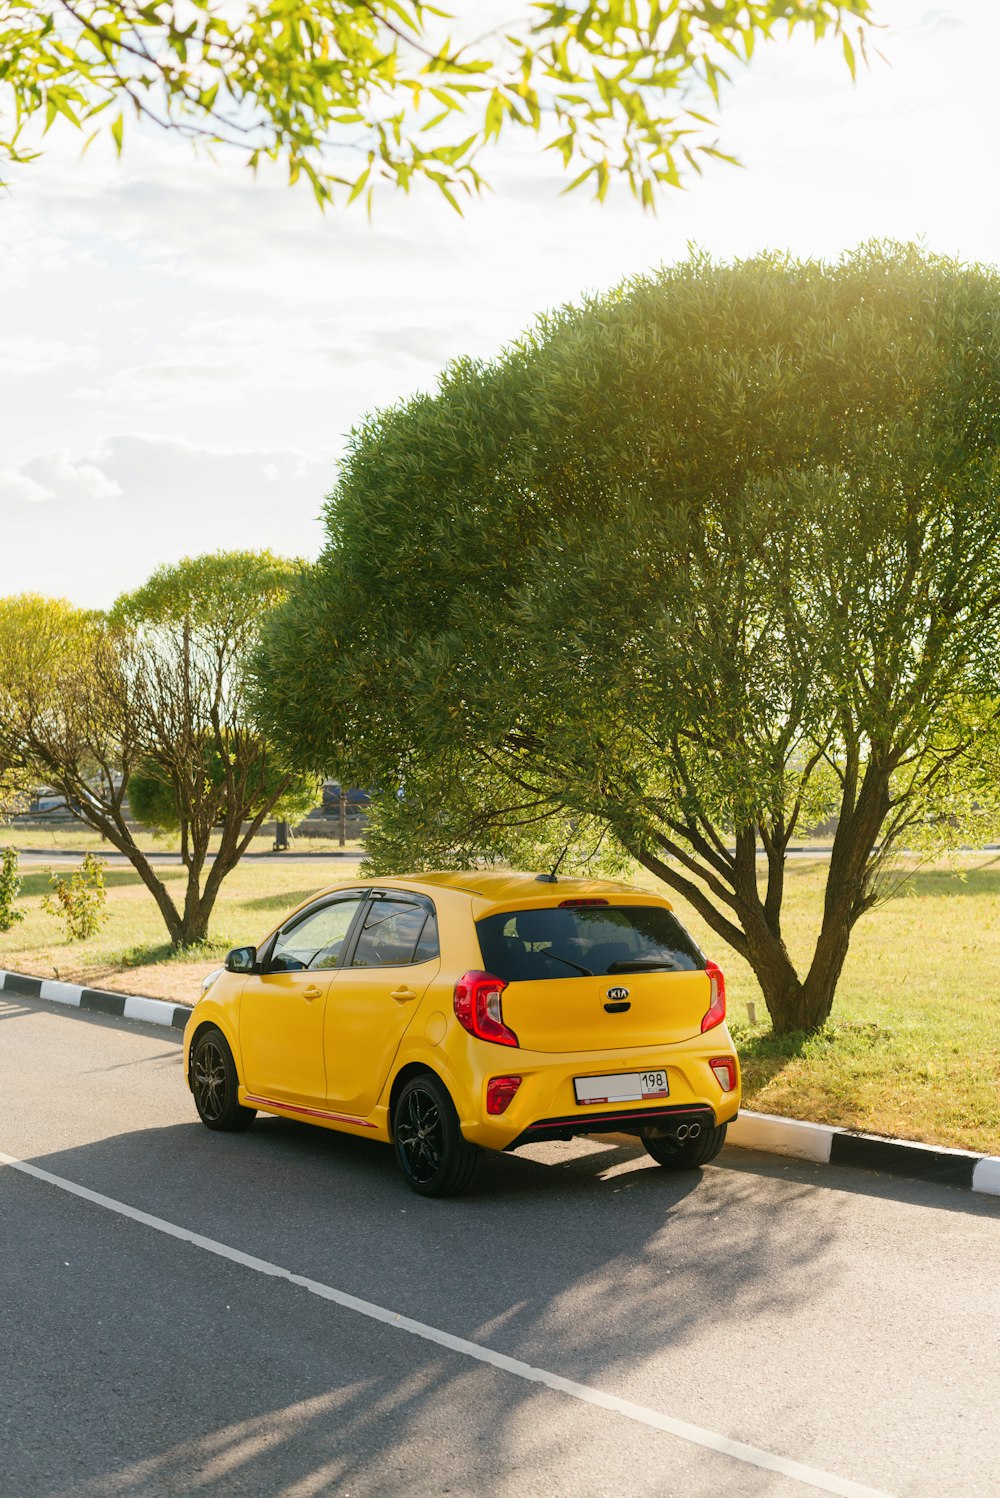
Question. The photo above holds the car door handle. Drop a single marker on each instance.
(310, 993)
(402, 995)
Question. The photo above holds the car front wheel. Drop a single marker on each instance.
(215, 1085)
(430, 1149)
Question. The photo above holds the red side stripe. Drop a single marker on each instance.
(266, 1102)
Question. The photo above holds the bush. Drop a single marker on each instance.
(81, 900)
(10, 888)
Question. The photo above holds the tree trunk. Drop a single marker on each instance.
(752, 926)
(193, 928)
(805, 1004)
(773, 968)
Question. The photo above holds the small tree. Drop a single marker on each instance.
(10, 888)
(156, 691)
(695, 565)
(80, 899)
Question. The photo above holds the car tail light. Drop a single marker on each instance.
(479, 1010)
(725, 1072)
(499, 1093)
(716, 1012)
(575, 904)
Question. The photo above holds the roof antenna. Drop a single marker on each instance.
(551, 878)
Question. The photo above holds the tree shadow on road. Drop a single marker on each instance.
(585, 1259)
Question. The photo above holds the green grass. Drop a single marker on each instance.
(132, 954)
(913, 1047)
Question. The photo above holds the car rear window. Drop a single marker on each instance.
(565, 942)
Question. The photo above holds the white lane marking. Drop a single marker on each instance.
(813, 1477)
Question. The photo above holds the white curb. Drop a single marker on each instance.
(834, 1146)
(98, 1000)
(781, 1136)
(986, 1176)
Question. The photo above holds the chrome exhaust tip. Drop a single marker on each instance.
(682, 1130)
(694, 1131)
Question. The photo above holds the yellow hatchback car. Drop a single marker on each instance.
(452, 1013)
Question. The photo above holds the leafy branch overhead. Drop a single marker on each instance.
(353, 93)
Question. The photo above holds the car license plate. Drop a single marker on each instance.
(621, 1087)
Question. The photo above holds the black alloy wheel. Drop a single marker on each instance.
(689, 1154)
(430, 1149)
(215, 1084)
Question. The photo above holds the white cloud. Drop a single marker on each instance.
(81, 480)
(56, 476)
(158, 501)
(238, 334)
(17, 488)
(23, 354)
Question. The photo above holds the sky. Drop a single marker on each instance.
(183, 350)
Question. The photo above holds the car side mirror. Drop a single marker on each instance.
(241, 960)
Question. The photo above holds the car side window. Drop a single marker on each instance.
(393, 935)
(315, 941)
(427, 945)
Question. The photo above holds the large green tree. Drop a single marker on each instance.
(693, 566)
(396, 89)
(152, 698)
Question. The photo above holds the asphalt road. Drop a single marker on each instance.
(834, 1319)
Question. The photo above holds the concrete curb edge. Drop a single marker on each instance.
(823, 1143)
(829, 1145)
(98, 1000)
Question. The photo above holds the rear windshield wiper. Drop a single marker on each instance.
(644, 965)
(584, 970)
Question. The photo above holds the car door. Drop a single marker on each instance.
(394, 957)
(283, 1005)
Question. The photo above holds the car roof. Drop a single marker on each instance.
(490, 889)
(494, 884)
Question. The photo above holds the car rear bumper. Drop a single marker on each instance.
(545, 1104)
(656, 1122)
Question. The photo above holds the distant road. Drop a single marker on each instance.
(168, 860)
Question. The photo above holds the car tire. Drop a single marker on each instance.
(689, 1155)
(215, 1084)
(430, 1150)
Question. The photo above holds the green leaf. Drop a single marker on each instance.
(299, 82)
